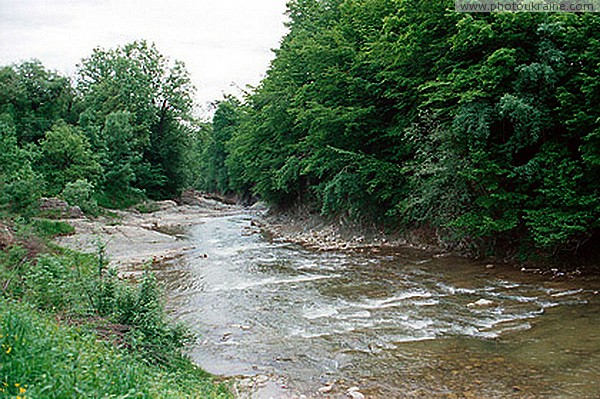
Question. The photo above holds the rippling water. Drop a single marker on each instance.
(401, 325)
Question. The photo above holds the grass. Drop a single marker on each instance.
(40, 358)
(70, 328)
(147, 207)
(52, 228)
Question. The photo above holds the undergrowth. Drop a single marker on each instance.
(71, 328)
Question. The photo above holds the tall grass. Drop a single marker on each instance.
(40, 358)
(70, 328)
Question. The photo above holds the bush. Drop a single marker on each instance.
(39, 358)
(20, 187)
(81, 193)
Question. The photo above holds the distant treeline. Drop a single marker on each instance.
(121, 131)
(484, 128)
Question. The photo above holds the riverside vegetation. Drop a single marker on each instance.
(69, 326)
(482, 129)
(56, 305)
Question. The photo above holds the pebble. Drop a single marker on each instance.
(354, 393)
(325, 389)
(262, 379)
(226, 336)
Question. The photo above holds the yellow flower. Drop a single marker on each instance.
(22, 390)
(17, 384)
(8, 350)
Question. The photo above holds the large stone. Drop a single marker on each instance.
(480, 303)
(354, 393)
(75, 212)
(53, 205)
(60, 208)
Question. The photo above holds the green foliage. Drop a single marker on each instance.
(81, 193)
(215, 175)
(20, 187)
(126, 127)
(47, 360)
(120, 159)
(41, 358)
(66, 157)
(35, 98)
(52, 228)
(137, 104)
(410, 114)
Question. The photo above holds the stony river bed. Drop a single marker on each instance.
(402, 325)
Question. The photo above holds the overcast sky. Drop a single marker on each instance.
(221, 41)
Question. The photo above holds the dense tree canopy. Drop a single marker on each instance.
(483, 126)
(123, 130)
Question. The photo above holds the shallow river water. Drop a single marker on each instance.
(402, 325)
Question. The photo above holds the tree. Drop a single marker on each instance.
(65, 157)
(35, 98)
(483, 126)
(20, 187)
(225, 124)
(138, 80)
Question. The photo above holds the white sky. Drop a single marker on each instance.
(222, 42)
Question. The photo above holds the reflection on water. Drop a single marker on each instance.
(406, 325)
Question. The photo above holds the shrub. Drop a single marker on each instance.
(81, 193)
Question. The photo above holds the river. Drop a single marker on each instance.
(402, 325)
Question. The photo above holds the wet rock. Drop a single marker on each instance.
(480, 303)
(166, 204)
(354, 393)
(241, 327)
(226, 337)
(262, 380)
(326, 389)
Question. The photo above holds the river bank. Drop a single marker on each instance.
(409, 324)
(230, 271)
(315, 232)
(130, 238)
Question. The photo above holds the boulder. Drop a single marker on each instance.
(354, 393)
(75, 212)
(60, 208)
(54, 205)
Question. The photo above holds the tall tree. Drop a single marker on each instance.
(483, 126)
(137, 79)
(36, 98)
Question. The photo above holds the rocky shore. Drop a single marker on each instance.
(317, 233)
(314, 232)
(131, 238)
